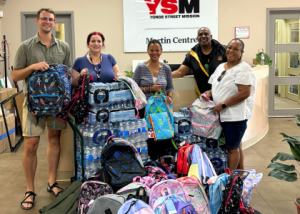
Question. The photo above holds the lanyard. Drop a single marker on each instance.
(99, 70)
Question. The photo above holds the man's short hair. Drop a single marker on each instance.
(49, 10)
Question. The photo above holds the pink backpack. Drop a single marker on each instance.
(205, 123)
(195, 190)
(157, 173)
(147, 180)
(165, 188)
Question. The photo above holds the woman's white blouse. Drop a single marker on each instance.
(240, 74)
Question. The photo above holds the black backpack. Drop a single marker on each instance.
(232, 194)
(79, 105)
(121, 162)
(66, 202)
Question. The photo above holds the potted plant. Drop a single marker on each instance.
(129, 74)
(288, 172)
(267, 60)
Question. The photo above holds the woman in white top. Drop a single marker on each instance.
(233, 91)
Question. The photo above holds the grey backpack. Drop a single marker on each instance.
(107, 204)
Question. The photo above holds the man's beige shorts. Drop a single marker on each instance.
(32, 129)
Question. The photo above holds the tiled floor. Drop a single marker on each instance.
(269, 197)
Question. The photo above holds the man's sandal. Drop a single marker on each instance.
(28, 202)
(50, 189)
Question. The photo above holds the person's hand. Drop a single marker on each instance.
(83, 71)
(156, 87)
(169, 100)
(119, 75)
(41, 66)
(217, 108)
(208, 93)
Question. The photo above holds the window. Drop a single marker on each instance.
(293, 89)
(294, 60)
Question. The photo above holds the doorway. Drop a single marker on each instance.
(283, 45)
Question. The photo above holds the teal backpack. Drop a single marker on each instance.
(157, 109)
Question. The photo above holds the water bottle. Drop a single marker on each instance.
(90, 136)
(85, 134)
(224, 160)
(144, 129)
(122, 86)
(122, 130)
(79, 172)
(87, 153)
(144, 150)
(138, 147)
(91, 96)
(111, 128)
(132, 137)
(139, 127)
(126, 131)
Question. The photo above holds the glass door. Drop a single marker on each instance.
(283, 45)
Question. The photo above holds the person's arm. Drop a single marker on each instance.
(169, 87)
(117, 71)
(180, 72)
(244, 93)
(76, 75)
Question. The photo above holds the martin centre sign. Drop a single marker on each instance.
(174, 23)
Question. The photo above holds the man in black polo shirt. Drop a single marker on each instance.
(203, 59)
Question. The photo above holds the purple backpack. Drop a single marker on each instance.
(90, 190)
(184, 207)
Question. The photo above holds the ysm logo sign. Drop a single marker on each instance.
(174, 6)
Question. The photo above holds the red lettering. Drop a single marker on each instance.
(152, 5)
(169, 6)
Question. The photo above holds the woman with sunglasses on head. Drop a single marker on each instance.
(233, 91)
(154, 76)
(102, 67)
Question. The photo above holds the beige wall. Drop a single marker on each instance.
(107, 17)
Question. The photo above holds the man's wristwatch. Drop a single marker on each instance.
(224, 105)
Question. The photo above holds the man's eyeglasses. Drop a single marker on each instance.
(222, 75)
(45, 19)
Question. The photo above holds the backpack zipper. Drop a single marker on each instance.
(230, 192)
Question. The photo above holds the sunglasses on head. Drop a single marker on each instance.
(222, 75)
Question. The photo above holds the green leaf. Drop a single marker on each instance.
(283, 157)
(281, 166)
(285, 176)
(127, 72)
(298, 117)
(295, 150)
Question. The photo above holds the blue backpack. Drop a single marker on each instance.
(134, 206)
(201, 167)
(216, 193)
(46, 93)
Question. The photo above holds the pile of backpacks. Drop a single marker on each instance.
(126, 185)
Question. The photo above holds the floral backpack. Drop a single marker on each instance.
(250, 182)
(205, 123)
(155, 172)
(195, 190)
(139, 96)
(147, 180)
(90, 190)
